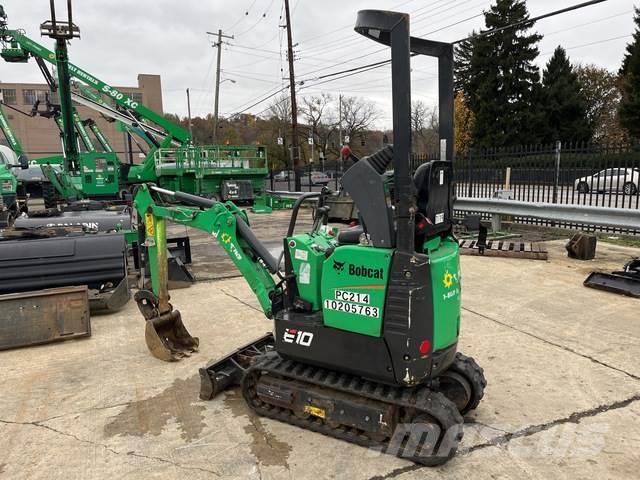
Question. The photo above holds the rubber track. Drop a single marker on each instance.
(468, 368)
(422, 399)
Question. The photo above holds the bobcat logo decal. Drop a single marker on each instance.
(338, 266)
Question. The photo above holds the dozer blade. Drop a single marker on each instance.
(622, 283)
(166, 336)
(226, 372)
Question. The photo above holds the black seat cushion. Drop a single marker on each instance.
(350, 236)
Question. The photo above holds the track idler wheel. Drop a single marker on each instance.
(463, 383)
(166, 336)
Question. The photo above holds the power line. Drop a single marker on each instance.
(530, 20)
(367, 67)
(589, 23)
(598, 42)
(334, 76)
(242, 17)
(264, 15)
(350, 60)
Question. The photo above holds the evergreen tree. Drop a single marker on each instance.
(503, 84)
(462, 65)
(630, 75)
(564, 104)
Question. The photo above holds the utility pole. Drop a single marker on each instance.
(340, 120)
(294, 106)
(218, 45)
(189, 114)
(340, 133)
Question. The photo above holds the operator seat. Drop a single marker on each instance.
(433, 181)
(351, 236)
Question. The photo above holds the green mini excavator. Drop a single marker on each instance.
(366, 321)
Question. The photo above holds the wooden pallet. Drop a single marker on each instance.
(504, 248)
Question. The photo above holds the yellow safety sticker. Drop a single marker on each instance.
(148, 223)
(315, 411)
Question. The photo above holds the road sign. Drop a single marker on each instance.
(280, 141)
(310, 140)
(346, 139)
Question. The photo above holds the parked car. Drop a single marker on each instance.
(626, 180)
(332, 174)
(317, 178)
(283, 176)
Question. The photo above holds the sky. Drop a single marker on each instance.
(122, 38)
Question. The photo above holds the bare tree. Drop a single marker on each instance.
(358, 115)
(280, 109)
(320, 121)
(424, 127)
(279, 117)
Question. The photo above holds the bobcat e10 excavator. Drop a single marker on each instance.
(366, 321)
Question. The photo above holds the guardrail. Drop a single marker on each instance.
(623, 218)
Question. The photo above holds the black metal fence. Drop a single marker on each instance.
(574, 174)
(581, 174)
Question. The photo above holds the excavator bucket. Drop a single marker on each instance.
(165, 335)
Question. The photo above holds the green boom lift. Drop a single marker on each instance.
(221, 171)
(366, 321)
(15, 157)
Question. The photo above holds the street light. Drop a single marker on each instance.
(215, 110)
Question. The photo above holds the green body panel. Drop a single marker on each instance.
(266, 203)
(444, 258)
(100, 175)
(354, 287)
(308, 253)
(8, 183)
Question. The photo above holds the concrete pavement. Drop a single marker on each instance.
(563, 399)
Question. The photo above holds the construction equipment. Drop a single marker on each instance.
(11, 157)
(221, 171)
(624, 282)
(98, 219)
(43, 316)
(66, 256)
(366, 321)
(582, 246)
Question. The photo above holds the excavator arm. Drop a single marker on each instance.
(166, 336)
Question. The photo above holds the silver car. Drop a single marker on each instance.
(317, 178)
(626, 180)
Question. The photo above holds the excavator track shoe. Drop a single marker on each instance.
(416, 424)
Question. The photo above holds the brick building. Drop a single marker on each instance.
(40, 136)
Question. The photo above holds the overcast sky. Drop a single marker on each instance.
(121, 38)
